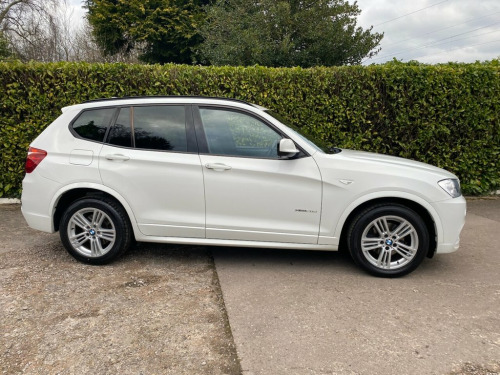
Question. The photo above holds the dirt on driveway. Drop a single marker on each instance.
(157, 310)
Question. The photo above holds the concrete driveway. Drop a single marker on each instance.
(316, 313)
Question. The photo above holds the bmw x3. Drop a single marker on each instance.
(215, 171)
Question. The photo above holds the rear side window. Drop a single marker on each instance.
(92, 124)
(120, 134)
(150, 127)
(160, 128)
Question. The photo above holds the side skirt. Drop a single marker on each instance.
(235, 243)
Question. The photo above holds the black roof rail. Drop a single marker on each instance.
(166, 97)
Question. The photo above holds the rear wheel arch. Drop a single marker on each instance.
(415, 206)
(68, 197)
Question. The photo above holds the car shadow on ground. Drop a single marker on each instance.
(255, 256)
(339, 262)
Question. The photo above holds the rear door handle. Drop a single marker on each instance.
(217, 166)
(118, 157)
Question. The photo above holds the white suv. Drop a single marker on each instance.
(214, 171)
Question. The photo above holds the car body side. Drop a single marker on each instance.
(349, 180)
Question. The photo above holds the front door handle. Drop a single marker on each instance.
(118, 157)
(218, 166)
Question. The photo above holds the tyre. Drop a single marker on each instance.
(95, 231)
(388, 240)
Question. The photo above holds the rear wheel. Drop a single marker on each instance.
(388, 240)
(95, 231)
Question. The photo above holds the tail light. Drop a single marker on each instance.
(35, 156)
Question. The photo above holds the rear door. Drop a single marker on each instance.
(251, 193)
(150, 157)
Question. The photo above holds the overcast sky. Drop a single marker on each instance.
(430, 31)
(434, 31)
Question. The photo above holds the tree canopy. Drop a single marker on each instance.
(163, 30)
(233, 32)
(285, 33)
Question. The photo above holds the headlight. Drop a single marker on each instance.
(451, 186)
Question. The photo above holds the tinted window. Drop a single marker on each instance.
(160, 128)
(120, 134)
(238, 134)
(92, 124)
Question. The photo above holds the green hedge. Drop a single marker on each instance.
(446, 115)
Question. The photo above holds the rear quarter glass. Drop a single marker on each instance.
(92, 124)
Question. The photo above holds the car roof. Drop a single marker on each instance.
(159, 100)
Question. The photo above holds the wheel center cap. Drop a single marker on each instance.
(92, 232)
(388, 242)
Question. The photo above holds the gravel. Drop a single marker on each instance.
(157, 310)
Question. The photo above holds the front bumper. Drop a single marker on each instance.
(452, 214)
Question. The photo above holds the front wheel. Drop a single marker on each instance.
(388, 240)
(95, 231)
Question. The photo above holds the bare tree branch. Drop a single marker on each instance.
(42, 30)
(5, 11)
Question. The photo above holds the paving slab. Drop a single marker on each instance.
(299, 312)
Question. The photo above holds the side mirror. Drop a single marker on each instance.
(287, 148)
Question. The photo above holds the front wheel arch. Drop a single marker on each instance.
(419, 209)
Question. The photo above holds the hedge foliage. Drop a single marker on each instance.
(445, 115)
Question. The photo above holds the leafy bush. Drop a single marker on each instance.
(446, 115)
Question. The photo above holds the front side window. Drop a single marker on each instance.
(238, 134)
(92, 124)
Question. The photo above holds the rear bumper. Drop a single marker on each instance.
(37, 221)
(37, 194)
(452, 214)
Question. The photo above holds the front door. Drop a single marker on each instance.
(251, 193)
